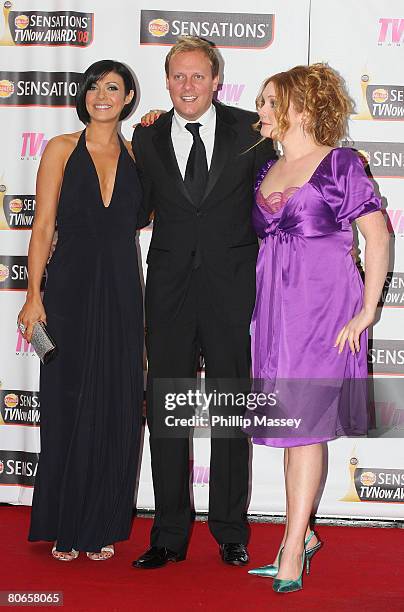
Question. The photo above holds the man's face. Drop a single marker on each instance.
(190, 84)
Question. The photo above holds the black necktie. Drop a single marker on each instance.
(196, 173)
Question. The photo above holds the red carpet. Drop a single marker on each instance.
(359, 569)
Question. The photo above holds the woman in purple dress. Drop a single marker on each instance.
(309, 338)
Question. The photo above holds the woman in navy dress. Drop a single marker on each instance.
(91, 392)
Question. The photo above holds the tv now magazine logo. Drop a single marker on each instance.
(388, 414)
(230, 93)
(200, 475)
(391, 31)
(33, 144)
(394, 220)
(22, 347)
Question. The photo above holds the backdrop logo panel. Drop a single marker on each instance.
(391, 31)
(33, 145)
(388, 415)
(56, 28)
(393, 291)
(374, 484)
(381, 102)
(383, 159)
(201, 475)
(14, 273)
(16, 211)
(18, 468)
(22, 347)
(39, 88)
(386, 357)
(240, 30)
(19, 408)
(394, 220)
(230, 93)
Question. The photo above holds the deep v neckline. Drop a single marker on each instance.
(96, 171)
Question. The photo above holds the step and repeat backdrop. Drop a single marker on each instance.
(46, 45)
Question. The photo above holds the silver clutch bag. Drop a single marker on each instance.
(42, 342)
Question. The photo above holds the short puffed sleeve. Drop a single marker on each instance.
(347, 190)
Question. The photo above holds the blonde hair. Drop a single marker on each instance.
(193, 43)
(319, 93)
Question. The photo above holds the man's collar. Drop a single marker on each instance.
(205, 119)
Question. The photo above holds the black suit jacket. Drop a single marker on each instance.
(219, 231)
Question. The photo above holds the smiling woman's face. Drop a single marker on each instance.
(106, 97)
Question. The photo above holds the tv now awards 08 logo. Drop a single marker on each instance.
(14, 273)
(386, 357)
(374, 484)
(380, 102)
(16, 211)
(18, 468)
(393, 291)
(35, 88)
(56, 28)
(19, 408)
(240, 30)
(391, 31)
(382, 159)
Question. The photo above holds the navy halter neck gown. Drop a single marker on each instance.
(91, 393)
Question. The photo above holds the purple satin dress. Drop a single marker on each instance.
(308, 288)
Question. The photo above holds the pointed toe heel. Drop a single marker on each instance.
(266, 571)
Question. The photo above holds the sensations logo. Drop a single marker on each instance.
(240, 30)
(35, 88)
(18, 468)
(14, 273)
(386, 357)
(383, 159)
(56, 28)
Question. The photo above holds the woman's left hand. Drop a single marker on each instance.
(352, 330)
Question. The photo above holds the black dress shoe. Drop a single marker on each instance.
(157, 556)
(234, 554)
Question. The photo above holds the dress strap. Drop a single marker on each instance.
(262, 173)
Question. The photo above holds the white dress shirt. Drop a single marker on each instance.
(183, 140)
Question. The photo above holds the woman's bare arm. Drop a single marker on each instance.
(49, 180)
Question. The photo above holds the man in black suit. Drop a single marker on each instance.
(198, 171)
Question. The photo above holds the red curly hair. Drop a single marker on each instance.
(319, 93)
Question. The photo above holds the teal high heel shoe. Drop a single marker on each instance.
(270, 571)
(311, 551)
(289, 586)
